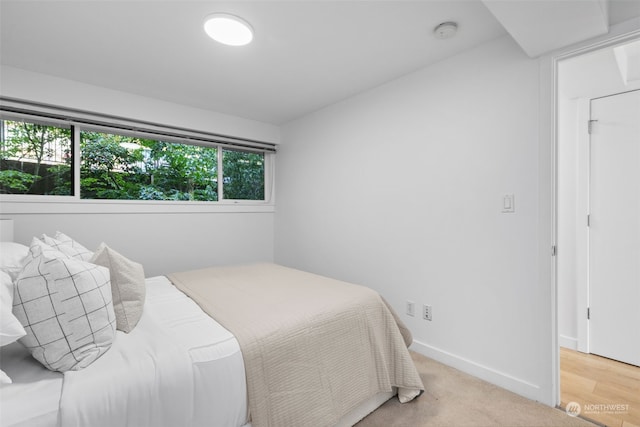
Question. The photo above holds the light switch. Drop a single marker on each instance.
(508, 203)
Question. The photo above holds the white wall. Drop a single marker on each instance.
(27, 85)
(164, 237)
(400, 189)
(162, 242)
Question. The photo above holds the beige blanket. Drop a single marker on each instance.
(313, 347)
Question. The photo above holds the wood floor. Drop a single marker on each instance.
(607, 391)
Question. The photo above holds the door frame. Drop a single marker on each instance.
(582, 237)
(548, 167)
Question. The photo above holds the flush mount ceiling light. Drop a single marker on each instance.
(446, 30)
(228, 29)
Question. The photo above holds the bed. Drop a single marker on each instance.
(177, 367)
(252, 345)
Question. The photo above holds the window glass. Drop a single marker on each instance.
(38, 157)
(35, 158)
(243, 175)
(120, 167)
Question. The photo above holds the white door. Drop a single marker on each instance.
(614, 230)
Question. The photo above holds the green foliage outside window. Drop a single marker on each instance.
(36, 159)
(243, 175)
(120, 167)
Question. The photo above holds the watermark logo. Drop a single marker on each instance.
(605, 408)
(573, 409)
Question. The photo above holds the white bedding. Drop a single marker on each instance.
(32, 383)
(177, 367)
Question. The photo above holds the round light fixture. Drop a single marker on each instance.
(446, 30)
(228, 29)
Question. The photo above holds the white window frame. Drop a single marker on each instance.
(60, 204)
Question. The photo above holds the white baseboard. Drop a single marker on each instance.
(501, 379)
(568, 342)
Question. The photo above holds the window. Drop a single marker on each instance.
(243, 175)
(121, 167)
(35, 158)
(55, 156)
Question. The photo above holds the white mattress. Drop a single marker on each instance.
(177, 367)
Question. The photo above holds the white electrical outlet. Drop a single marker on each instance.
(426, 312)
(411, 308)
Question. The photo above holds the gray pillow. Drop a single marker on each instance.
(127, 286)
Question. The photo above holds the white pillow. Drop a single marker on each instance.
(127, 286)
(12, 257)
(10, 327)
(65, 244)
(66, 309)
(4, 378)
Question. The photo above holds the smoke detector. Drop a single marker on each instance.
(446, 30)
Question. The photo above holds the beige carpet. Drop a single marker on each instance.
(453, 398)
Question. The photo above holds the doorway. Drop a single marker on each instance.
(584, 81)
(614, 227)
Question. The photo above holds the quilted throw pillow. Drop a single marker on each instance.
(127, 286)
(66, 308)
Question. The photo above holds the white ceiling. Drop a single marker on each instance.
(305, 55)
(542, 26)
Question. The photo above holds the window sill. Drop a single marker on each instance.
(13, 205)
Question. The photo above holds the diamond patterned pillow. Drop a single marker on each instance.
(67, 246)
(37, 248)
(66, 308)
